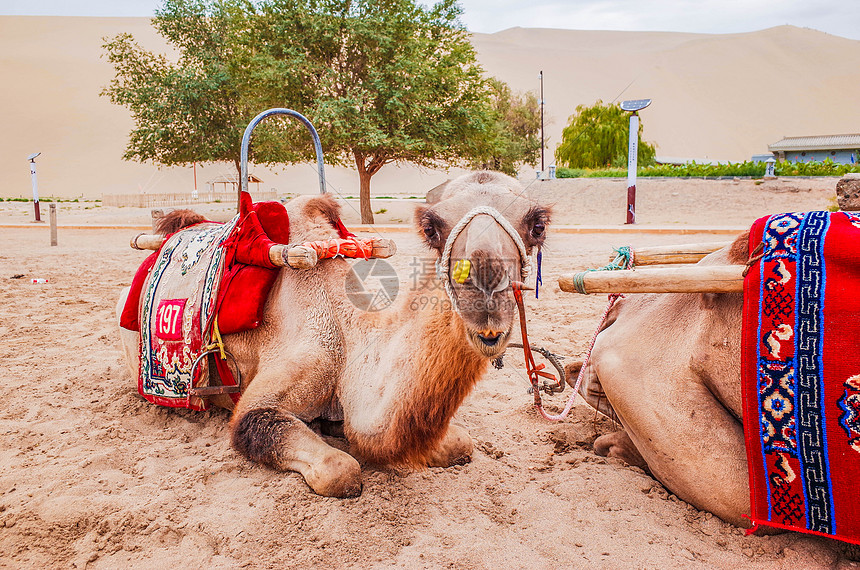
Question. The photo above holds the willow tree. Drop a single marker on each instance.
(598, 136)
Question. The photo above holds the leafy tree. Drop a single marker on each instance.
(598, 136)
(382, 80)
(184, 111)
(513, 136)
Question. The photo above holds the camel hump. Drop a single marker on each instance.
(739, 252)
(323, 205)
(176, 220)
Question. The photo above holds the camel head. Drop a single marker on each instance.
(485, 258)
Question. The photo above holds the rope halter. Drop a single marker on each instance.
(443, 265)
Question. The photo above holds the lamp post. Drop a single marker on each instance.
(633, 107)
(32, 159)
(540, 76)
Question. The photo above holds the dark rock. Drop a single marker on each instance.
(848, 193)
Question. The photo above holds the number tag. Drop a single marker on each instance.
(168, 319)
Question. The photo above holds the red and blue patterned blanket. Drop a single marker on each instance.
(177, 309)
(205, 274)
(801, 381)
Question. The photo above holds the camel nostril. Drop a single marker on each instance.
(490, 340)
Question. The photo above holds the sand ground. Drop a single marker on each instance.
(93, 477)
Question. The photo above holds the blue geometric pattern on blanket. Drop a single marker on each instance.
(781, 235)
(777, 391)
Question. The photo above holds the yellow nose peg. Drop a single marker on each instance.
(461, 270)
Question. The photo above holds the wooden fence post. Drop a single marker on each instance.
(53, 217)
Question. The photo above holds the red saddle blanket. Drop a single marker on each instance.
(177, 310)
(801, 380)
(202, 271)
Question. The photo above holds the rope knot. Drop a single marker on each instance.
(623, 260)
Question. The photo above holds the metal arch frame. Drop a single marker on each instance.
(246, 141)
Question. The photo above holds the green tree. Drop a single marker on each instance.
(383, 81)
(597, 136)
(513, 138)
(184, 111)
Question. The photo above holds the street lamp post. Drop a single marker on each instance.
(541, 125)
(32, 159)
(633, 106)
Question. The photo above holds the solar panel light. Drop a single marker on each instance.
(635, 105)
(632, 106)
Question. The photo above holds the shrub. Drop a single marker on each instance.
(729, 169)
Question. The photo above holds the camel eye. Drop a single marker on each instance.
(538, 229)
(430, 232)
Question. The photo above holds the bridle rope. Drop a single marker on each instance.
(443, 265)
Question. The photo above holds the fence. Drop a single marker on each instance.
(179, 199)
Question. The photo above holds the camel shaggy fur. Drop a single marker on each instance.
(391, 380)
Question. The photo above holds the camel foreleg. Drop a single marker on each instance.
(619, 445)
(455, 449)
(280, 440)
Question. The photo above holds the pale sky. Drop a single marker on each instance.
(837, 17)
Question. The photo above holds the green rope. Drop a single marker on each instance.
(623, 260)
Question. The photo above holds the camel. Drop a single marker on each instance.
(389, 381)
(667, 367)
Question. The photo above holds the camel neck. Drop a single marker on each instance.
(413, 384)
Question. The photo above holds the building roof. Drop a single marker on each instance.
(232, 179)
(826, 142)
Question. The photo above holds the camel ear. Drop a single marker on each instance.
(430, 227)
(434, 195)
(534, 225)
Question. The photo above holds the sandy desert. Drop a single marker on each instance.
(716, 97)
(91, 476)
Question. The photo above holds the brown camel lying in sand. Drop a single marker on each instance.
(667, 366)
(390, 380)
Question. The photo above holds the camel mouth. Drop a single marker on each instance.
(490, 345)
(491, 340)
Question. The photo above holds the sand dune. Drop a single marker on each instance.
(720, 97)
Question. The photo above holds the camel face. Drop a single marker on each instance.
(482, 293)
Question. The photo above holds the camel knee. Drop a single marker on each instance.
(571, 372)
(619, 446)
(261, 435)
(455, 449)
(280, 440)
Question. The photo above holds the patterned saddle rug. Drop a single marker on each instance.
(207, 280)
(177, 311)
(801, 373)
